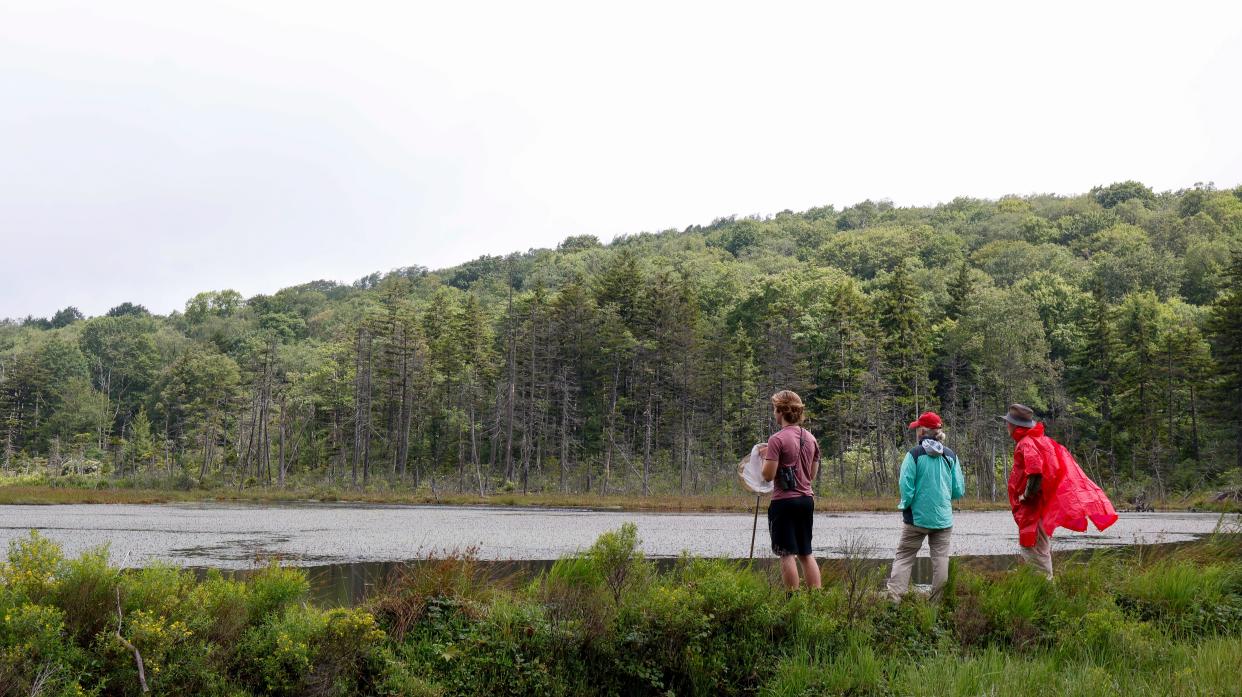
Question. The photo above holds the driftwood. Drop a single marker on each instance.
(120, 618)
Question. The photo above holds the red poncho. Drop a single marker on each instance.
(1067, 497)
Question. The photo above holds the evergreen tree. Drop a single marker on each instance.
(140, 448)
(1096, 372)
(1225, 326)
(907, 347)
(960, 289)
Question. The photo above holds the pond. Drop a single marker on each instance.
(353, 546)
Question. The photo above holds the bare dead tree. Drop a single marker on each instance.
(120, 621)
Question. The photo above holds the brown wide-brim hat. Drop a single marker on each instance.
(1020, 415)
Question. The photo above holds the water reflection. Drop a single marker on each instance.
(336, 585)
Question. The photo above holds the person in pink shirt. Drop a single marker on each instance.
(790, 461)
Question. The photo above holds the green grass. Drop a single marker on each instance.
(35, 489)
(607, 621)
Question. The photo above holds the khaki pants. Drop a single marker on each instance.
(908, 548)
(1039, 556)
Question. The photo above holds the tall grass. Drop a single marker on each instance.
(607, 621)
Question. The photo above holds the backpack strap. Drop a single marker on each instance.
(801, 432)
(915, 453)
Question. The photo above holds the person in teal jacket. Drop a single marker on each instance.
(931, 478)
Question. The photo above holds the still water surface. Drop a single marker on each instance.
(350, 549)
(240, 536)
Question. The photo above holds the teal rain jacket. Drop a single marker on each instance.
(931, 478)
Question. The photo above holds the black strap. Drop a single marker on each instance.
(918, 451)
(798, 462)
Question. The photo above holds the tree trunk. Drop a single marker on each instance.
(283, 428)
(512, 387)
(647, 446)
(209, 437)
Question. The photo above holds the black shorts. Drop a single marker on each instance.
(789, 524)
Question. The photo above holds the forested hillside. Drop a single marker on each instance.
(644, 365)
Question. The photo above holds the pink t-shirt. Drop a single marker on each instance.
(783, 447)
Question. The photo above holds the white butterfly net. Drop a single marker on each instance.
(750, 472)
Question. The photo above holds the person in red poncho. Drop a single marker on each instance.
(1048, 490)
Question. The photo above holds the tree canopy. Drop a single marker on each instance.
(644, 365)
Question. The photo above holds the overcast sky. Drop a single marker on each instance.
(152, 150)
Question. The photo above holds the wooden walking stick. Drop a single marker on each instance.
(754, 528)
(752, 481)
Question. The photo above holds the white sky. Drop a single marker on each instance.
(151, 150)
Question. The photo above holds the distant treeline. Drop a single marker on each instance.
(644, 365)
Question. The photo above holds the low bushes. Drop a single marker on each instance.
(608, 622)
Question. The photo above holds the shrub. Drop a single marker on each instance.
(160, 589)
(35, 657)
(706, 628)
(618, 562)
(158, 638)
(305, 651)
(411, 589)
(349, 653)
(33, 565)
(511, 651)
(273, 589)
(87, 594)
(278, 654)
(224, 609)
(578, 609)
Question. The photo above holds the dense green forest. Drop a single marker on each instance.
(644, 365)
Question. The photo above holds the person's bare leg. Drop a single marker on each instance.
(789, 572)
(810, 569)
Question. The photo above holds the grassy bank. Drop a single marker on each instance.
(1156, 622)
(108, 491)
(39, 490)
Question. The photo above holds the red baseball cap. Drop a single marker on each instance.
(928, 419)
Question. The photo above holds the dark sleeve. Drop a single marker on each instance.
(1032, 486)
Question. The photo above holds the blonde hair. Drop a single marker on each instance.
(789, 405)
(936, 433)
